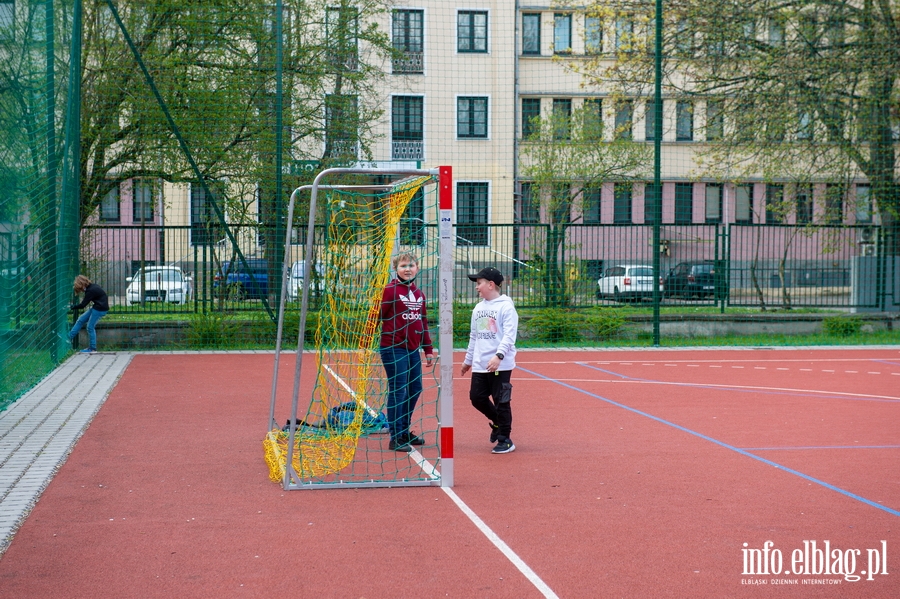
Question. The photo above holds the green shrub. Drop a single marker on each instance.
(462, 321)
(842, 326)
(556, 325)
(212, 329)
(604, 324)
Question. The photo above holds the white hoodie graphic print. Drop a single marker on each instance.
(494, 327)
(413, 304)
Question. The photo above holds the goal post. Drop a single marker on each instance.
(336, 433)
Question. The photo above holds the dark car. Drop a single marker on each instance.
(236, 281)
(691, 280)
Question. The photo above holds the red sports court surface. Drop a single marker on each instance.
(637, 474)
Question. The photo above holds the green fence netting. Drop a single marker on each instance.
(38, 170)
(733, 173)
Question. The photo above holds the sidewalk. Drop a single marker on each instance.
(39, 430)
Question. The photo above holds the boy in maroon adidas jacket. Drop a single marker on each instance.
(404, 330)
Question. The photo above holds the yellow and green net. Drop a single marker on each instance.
(362, 231)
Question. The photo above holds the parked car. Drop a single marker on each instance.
(295, 280)
(236, 281)
(166, 284)
(626, 282)
(692, 280)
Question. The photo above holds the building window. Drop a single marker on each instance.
(342, 35)
(406, 128)
(529, 210)
(715, 120)
(472, 31)
(562, 33)
(593, 35)
(7, 19)
(804, 204)
(531, 111)
(713, 210)
(864, 209)
(408, 41)
(741, 116)
(472, 213)
(776, 32)
(531, 34)
(743, 204)
(591, 206)
(652, 199)
(142, 204)
(684, 203)
(624, 113)
(412, 223)
(622, 203)
(624, 33)
(684, 121)
(592, 127)
(650, 120)
(805, 127)
(109, 206)
(472, 117)
(562, 119)
(748, 27)
(37, 23)
(205, 226)
(774, 201)
(341, 119)
(834, 204)
(684, 38)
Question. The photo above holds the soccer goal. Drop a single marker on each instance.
(336, 434)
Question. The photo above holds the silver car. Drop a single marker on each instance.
(295, 280)
(626, 282)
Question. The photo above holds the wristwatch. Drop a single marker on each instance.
(499, 355)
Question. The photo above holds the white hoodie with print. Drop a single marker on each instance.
(495, 324)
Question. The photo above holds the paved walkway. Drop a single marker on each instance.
(39, 430)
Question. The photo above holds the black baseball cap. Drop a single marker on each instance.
(488, 273)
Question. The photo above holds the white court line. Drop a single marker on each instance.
(837, 394)
(352, 393)
(539, 584)
(726, 360)
(430, 471)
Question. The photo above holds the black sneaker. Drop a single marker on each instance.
(414, 439)
(399, 445)
(495, 432)
(504, 446)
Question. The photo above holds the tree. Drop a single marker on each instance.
(566, 156)
(802, 90)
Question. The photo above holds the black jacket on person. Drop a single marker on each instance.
(94, 293)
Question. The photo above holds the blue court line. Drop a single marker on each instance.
(741, 389)
(743, 452)
(886, 362)
(822, 447)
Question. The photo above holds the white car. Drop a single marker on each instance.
(626, 282)
(295, 280)
(166, 284)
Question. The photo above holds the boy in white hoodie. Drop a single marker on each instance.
(491, 356)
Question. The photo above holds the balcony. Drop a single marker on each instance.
(411, 63)
(407, 150)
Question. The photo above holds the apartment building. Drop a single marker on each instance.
(462, 90)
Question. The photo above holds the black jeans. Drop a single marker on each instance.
(488, 386)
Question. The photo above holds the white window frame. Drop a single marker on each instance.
(424, 38)
(487, 123)
(488, 36)
(457, 206)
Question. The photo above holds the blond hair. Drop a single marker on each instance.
(404, 256)
(81, 283)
